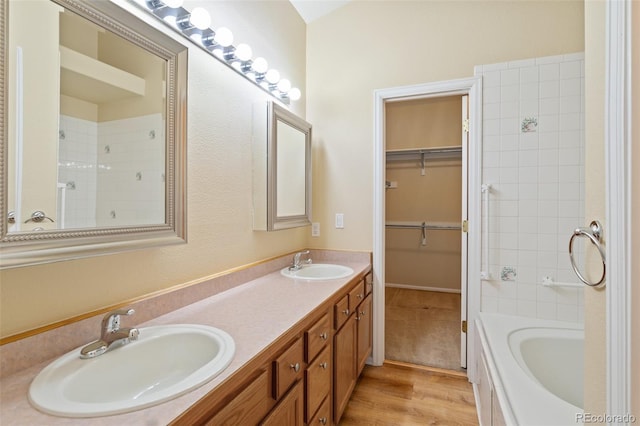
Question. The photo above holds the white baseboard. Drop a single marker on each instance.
(419, 287)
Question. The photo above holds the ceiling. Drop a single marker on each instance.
(311, 10)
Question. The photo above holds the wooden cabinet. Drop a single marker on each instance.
(323, 415)
(305, 377)
(288, 368)
(288, 412)
(249, 406)
(318, 382)
(352, 342)
(344, 373)
(365, 333)
(317, 337)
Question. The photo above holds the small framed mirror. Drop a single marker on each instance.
(281, 169)
(93, 132)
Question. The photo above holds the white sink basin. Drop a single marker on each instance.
(165, 362)
(319, 271)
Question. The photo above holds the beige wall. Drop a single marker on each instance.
(219, 190)
(40, 76)
(595, 313)
(635, 250)
(397, 43)
(434, 197)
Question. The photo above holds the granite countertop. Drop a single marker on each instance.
(255, 314)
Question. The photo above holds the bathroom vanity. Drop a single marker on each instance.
(290, 382)
(300, 346)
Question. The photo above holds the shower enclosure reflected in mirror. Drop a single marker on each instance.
(94, 132)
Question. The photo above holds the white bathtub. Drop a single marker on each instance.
(535, 368)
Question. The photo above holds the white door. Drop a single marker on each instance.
(464, 245)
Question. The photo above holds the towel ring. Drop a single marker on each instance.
(594, 233)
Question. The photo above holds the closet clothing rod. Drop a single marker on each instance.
(423, 225)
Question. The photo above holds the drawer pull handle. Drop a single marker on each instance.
(346, 312)
(324, 365)
(323, 336)
(323, 420)
(360, 296)
(295, 367)
(362, 313)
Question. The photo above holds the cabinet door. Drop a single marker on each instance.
(365, 335)
(344, 366)
(288, 412)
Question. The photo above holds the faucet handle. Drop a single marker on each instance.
(111, 321)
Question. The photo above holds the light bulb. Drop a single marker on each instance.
(260, 65)
(243, 52)
(174, 4)
(200, 18)
(224, 36)
(272, 76)
(284, 85)
(294, 94)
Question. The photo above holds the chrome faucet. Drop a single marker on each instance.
(111, 335)
(297, 263)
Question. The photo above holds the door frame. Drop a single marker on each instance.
(618, 159)
(466, 86)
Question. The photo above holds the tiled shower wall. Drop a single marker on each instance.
(77, 165)
(112, 172)
(533, 158)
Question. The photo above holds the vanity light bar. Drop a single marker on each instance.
(195, 26)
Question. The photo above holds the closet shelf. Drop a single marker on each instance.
(423, 154)
(417, 153)
(91, 80)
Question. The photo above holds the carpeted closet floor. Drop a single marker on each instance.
(423, 327)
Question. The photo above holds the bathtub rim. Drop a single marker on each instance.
(517, 383)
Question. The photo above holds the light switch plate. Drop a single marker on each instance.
(339, 220)
(315, 229)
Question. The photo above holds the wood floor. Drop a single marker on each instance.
(397, 394)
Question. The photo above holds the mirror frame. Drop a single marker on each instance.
(277, 113)
(31, 248)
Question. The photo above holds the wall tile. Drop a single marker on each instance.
(539, 197)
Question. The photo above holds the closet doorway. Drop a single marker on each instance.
(472, 163)
(426, 144)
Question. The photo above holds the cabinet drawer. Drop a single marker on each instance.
(287, 368)
(318, 381)
(248, 407)
(356, 295)
(341, 311)
(368, 284)
(288, 412)
(317, 337)
(323, 415)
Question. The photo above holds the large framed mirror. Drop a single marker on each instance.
(93, 132)
(281, 169)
